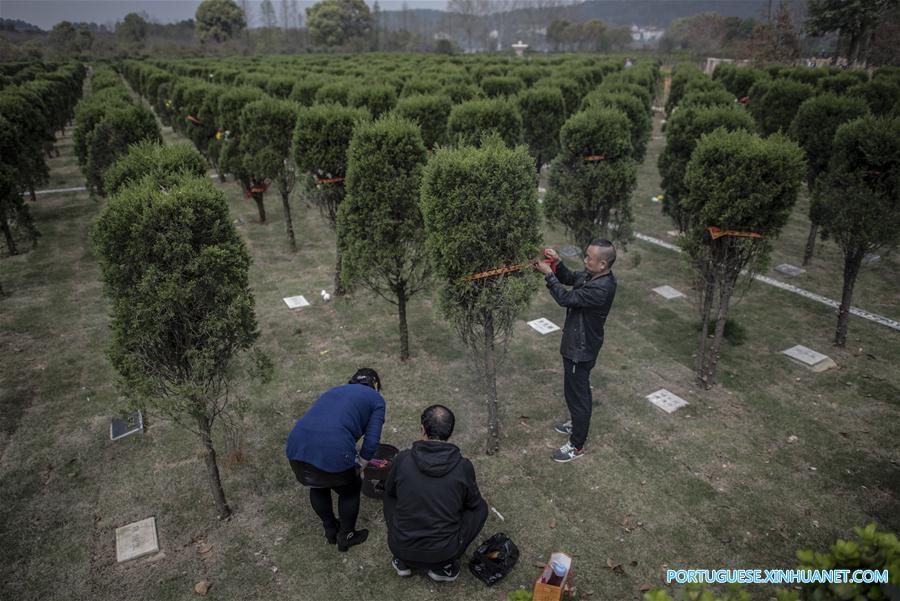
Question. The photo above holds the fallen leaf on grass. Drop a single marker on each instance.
(204, 549)
(202, 587)
(553, 522)
(615, 567)
(646, 587)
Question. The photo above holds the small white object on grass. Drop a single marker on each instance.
(667, 401)
(788, 269)
(809, 358)
(325, 296)
(502, 519)
(668, 292)
(295, 302)
(543, 325)
(136, 540)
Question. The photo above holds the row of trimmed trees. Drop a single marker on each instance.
(36, 103)
(719, 171)
(405, 210)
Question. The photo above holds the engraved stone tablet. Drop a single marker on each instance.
(788, 269)
(809, 358)
(136, 540)
(295, 302)
(666, 400)
(120, 428)
(667, 292)
(543, 325)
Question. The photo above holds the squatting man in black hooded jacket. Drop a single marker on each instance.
(432, 506)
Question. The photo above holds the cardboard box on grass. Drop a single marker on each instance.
(548, 586)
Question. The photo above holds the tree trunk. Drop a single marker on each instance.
(338, 286)
(721, 318)
(810, 243)
(260, 206)
(7, 233)
(287, 219)
(404, 328)
(709, 289)
(490, 386)
(31, 193)
(212, 468)
(852, 262)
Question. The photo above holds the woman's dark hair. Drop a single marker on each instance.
(368, 377)
(438, 422)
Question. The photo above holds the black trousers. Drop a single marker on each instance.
(470, 525)
(345, 484)
(577, 385)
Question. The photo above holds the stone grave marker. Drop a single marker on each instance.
(295, 302)
(120, 428)
(667, 401)
(809, 358)
(136, 540)
(788, 269)
(543, 325)
(667, 292)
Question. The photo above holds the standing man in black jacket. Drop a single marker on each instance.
(587, 307)
(432, 507)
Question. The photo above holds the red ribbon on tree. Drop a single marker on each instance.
(330, 180)
(717, 233)
(193, 119)
(593, 158)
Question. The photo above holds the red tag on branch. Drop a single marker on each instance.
(594, 158)
(717, 233)
(193, 119)
(744, 99)
(330, 180)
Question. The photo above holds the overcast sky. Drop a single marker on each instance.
(46, 13)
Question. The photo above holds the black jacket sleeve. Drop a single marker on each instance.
(585, 296)
(564, 274)
(473, 498)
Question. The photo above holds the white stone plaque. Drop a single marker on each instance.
(667, 401)
(809, 358)
(788, 269)
(295, 302)
(673, 233)
(667, 292)
(136, 540)
(543, 325)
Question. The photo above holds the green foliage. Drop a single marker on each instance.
(218, 20)
(337, 22)
(682, 75)
(379, 225)
(322, 136)
(615, 86)
(814, 126)
(304, 91)
(498, 86)
(470, 121)
(334, 92)
(839, 83)
(267, 128)
(480, 210)
(431, 113)
(857, 200)
(737, 80)
(641, 125)
(736, 180)
(543, 114)
(166, 164)
(774, 104)
(588, 196)
(880, 94)
(683, 131)
(459, 92)
(118, 129)
(175, 271)
(708, 98)
(378, 98)
(570, 90)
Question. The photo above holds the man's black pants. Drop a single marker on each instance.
(346, 485)
(577, 384)
(471, 523)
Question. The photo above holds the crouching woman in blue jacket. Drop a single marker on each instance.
(323, 455)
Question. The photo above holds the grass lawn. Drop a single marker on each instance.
(716, 484)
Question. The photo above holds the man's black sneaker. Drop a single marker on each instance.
(354, 537)
(448, 573)
(567, 453)
(401, 568)
(564, 427)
